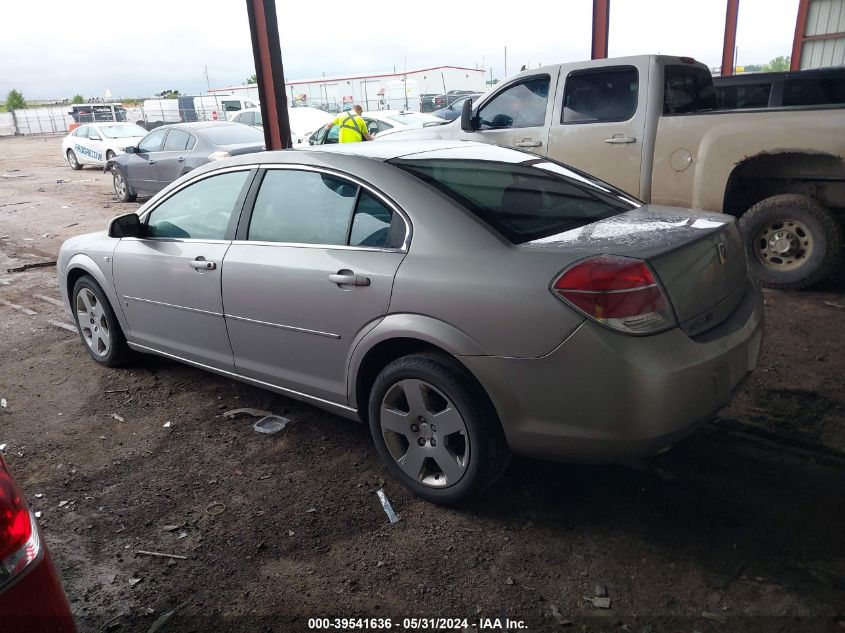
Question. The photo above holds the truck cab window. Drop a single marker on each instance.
(687, 89)
(606, 94)
(520, 105)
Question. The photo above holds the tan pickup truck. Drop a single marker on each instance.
(649, 125)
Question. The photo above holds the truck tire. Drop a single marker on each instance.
(792, 241)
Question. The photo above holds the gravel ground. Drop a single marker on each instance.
(740, 527)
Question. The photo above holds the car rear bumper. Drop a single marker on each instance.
(36, 602)
(605, 397)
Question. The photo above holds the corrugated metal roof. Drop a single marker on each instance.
(824, 17)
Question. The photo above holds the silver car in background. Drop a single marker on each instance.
(465, 300)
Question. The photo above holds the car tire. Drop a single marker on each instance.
(470, 443)
(121, 187)
(97, 324)
(73, 161)
(792, 241)
(110, 155)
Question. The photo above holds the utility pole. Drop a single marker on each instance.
(207, 82)
(405, 82)
(506, 61)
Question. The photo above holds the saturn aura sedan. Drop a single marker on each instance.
(464, 300)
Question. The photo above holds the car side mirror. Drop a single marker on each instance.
(128, 225)
(467, 122)
(130, 149)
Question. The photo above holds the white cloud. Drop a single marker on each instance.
(137, 49)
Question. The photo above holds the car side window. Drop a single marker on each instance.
(94, 134)
(302, 207)
(333, 135)
(520, 105)
(82, 132)
(375, 225)
(176, 141)
(200, 211)
(606, 94)
(152, 141)
(258, 120)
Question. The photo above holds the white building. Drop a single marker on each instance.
(379, 91)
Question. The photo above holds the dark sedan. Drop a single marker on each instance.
(171, 151)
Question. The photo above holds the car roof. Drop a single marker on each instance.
(107, 123)
(386, 150)
(198, 125)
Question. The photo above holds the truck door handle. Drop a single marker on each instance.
(527, 142)
(618, 139)
(349, 278)
(201, 263)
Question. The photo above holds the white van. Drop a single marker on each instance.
(190, 108)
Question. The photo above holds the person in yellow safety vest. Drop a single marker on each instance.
(353, 129)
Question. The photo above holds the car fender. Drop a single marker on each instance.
(405, 325)
(103, 278)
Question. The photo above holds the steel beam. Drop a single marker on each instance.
(729, 45)
(800, 30)
(601, 28)
(267, 52)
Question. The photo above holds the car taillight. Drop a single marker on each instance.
(19, 540)
(619, 292)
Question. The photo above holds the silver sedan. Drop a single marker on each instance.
(464, 300)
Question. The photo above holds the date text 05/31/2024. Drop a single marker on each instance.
(417, 624)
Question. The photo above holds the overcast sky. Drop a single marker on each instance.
(137, 49)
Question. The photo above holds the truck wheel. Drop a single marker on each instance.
(793, 241)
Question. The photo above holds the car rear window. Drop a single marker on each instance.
(523, 197)
(231, 134)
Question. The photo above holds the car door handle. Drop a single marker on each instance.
(527, 142)
(348, 278)
(201, 263)
(151, 162)
(181, 159)
(620, 140)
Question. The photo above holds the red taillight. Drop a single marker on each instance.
(620, 292)
(19, 541)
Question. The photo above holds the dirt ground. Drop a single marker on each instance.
(740, 527)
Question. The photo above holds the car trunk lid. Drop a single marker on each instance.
(237, 149)
(698, 258)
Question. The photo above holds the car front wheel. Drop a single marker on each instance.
(435, 428)
(97, 323)
(110, 155)
(121, 187)
(73, 161)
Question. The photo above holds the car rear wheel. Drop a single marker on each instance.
(792, 240)
(73, 161)
(97, 323)
(121, 187)
(435, 428)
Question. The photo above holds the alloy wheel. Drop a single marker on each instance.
(93, 324)
(71, 158)
(424, 433)
(119, 185)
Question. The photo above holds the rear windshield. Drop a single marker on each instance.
(804, 91)
(231, 134)
(521, 196)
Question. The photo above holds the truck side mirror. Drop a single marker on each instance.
(128, 225)
(467, 123)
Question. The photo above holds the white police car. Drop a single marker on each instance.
(96, 143)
